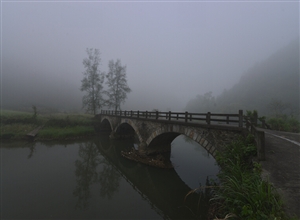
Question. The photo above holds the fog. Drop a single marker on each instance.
(173, 50)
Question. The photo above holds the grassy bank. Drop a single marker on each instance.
(242, 193)
(15, 125)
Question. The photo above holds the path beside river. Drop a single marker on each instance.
(282, 167)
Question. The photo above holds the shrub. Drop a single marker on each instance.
(284, 123)
(67, 132)
(242, 192)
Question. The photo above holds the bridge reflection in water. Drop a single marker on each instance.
(163, 189)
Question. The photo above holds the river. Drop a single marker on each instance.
(89, 179)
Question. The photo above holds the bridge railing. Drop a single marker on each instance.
(259, 137)
(187, 117)
(257, 122)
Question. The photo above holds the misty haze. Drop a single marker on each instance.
(63, 62)
(173, 51)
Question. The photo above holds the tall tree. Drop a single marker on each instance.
(92, 82)
(117, 84)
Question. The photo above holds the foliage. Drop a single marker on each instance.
(15, 125)
(66, 132)
(271, 87)
(242, 192)
(15, 130)
(197, 202)
(252, 113)
(202, 103)
(253, 116)
(69, 121)
(117, 84)
(92, 82)
(277, 107)
(284, 123)
(34, 116)
(61, 126)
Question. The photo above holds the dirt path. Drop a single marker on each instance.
(282, 167)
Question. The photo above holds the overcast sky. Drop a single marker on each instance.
(173, 50)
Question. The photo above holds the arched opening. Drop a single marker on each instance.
(104, 126)
(192, 162)
(125, 131)
(162, 140)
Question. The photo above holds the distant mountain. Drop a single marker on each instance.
(274, 79)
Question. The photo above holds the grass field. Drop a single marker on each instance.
(15, 125)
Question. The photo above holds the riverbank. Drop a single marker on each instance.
(16, 125)
(242, 193)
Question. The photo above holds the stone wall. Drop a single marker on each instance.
(155, 135)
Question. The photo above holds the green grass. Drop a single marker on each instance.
(242, 192)
(15, 130)
(15, 125)
(284, 123)
(66, 132)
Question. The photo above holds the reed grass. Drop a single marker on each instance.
(66, 132)
(15, 125)
(242, 192)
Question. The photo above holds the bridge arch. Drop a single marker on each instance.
(163, 138)
(150, 132)
(106, 124)
(128, 124)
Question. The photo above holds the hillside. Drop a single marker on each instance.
(275, 79)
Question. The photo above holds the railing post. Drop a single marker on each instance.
(146, 114)
(131, 113)
(247, 125)
(208, 118)
(227, 119)
(186, 117)
(156, 117)
(240, 118)
(255, 119)
(263, 123)
(138, 114)
(169, 115)
(125, 113)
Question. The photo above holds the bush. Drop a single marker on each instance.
(242, 192)
(284, 123)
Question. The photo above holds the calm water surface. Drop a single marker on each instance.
(90, 180)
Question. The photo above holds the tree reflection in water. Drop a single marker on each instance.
(93, 168)
(32, 150)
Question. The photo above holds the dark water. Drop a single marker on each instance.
(90, 180)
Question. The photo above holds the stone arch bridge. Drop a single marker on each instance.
(155, 130)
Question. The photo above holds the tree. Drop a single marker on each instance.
(117, 84)
(35, 113)
(92, 82)
(277, 107)
(202, 103)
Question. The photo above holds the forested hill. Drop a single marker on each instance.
(272, 83)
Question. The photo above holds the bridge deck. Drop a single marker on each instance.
(282, 167)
